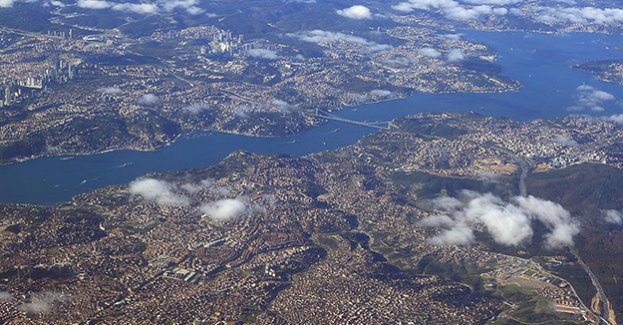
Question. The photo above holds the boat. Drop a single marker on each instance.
(125, 164)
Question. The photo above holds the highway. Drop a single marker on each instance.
(525, 165)
(603, 299)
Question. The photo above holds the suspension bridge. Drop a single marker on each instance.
(387, 125)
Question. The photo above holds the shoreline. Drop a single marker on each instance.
(70, 156)
(463, 31)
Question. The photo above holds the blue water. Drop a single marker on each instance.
(541, 62)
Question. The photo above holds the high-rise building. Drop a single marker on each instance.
(57, 66)
(70, 71)
(7, 95)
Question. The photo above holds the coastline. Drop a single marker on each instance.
(205, 131)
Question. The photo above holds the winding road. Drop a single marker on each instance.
(603, 299)
(525, 165)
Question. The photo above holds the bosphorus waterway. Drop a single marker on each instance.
(541, 62)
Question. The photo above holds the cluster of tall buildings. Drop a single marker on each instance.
(224, 43)
(13, 93)
(69, 34)
(17, 90)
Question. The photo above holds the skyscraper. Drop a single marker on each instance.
(7, 95)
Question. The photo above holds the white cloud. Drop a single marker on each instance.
(94, 4)
(191, 188)
(453, 36)
(263, 54)
(5, 295)
(110, 90)
(618, 119)
(145, 8)
(355, 12)
(42, 303)
(225, 209)
(601, 95)
(456, 55)
(492, 2)
(207, 185)
(508, 223)
(6, 3)
(189, 5)
(56, 3)
(168, 194)
(580, 15)
(197, 108)
(411, 5)
(242, 111)
(455, 10)
(429, 52)
(554, 217)
(139, 8)
(322, 37)
(148, 99)
(458, 234)
(463, 13)
(282, 106)
(196, 10)
(219, 191)
(159, 191)
(380, 93)
(565, 140)
(590, 98)
(38, 307)
(437, 221)
(489, 177)
(613, 216)
(142, 8)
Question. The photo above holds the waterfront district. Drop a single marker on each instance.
(387, 230)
